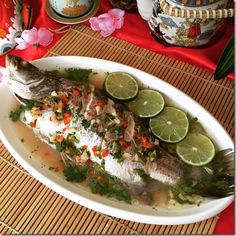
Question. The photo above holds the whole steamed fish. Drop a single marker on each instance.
(86, 127)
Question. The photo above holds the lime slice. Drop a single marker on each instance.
(121, 86)
(171, 125)
(196, 149)
(149, 103)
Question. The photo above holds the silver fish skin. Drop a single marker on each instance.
(28, 82)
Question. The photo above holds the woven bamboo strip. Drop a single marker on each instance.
(207, 226)
(212, 226)
(7, 156)
(27, 218)
(6, 229)
(52, 227)
(65, 221)
(45, 217)
(19, 205)
(91, 221)
(178, 229)
(18, 196)
(197, 226)
(62, 216)
(4, 170)
(6, 196)
(99, 224)
(189, 229)
(25, 205)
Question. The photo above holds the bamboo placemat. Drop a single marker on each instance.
(29, 207)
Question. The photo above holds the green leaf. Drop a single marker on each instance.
(15, 115)
(80, 75)
(75, 174)
(226, 63)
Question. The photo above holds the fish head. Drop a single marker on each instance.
(27, 81)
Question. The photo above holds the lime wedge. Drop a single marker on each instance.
(196, 149)
(148, 103)
(171, 125)
(121, 86)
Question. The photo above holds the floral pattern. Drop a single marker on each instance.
(186, 32)
(15, 24)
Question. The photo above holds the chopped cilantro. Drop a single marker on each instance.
(75, 174)
(55, 73)
(109, 186)
(114, 127)
(222, 184)
(55, 98)
(142, 174)
(66, 146)
(59, 147)
(94, 127)
(109, 117)
(194, 125)
(15, 115)
(118, 155)
(85, 123)
(78, 74)
(98, 180)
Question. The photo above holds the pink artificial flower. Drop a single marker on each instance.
(108, 22)
(3, 73)
(42, 36)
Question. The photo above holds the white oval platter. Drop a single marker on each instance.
(82, 195)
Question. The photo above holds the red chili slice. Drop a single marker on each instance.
(75, 92)
(105, 153)
(100, 104)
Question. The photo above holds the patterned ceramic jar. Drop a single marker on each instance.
(11, 24)
(71, 8)
(196, 27)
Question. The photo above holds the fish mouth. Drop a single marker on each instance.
(20, 70)
(27, 81)
(12, 62)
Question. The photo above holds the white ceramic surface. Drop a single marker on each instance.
(82, 195)
(145, 8)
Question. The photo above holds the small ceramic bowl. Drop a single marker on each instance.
(11, 24)
(71, 8)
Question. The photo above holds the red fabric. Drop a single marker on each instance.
(136, 31)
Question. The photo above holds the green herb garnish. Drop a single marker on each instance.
(109, 186)
(142, 174)
(75, 174)
(85, 123)
(15, 115)
(80, 75)
(108, 117)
